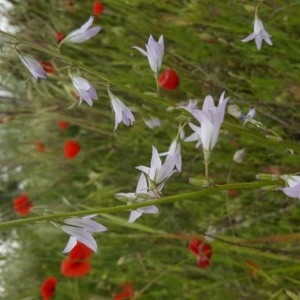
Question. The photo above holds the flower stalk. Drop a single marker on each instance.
(119, 208)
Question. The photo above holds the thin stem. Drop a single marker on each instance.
(173, 198)
(157, 84)
(206, 162)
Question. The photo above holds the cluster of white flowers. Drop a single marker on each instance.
(152, 179)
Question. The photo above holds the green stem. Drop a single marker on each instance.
(206, 162)
(168, 199)
(157, 84)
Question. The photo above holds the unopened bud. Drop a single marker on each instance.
(267, 176)
(234, 111)
(239, 156)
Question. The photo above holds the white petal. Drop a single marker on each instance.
(250, 37)
(141, 50)
(87, 224)
(133, 216)
(81, 236)
(152, 209)
(142, 186)
(293, 192)
(70, 245)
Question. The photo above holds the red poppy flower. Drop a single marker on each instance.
(48, 67)
(71, 149)
(127, 292)
(48, 288)
(22, 205)
(203, 252)
(40, 147)
(75, 268)
(97, 8)
(59, 37)
(77, 264)
(80, 252)
(63, 125)
(168, 80)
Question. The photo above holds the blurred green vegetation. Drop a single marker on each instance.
(203, 44)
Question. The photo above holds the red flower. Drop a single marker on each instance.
(63, 125)
(97, 8)
(80, 252)
(22, 205)
(48, 67)
(59, 37)
(203, 252)
(75, 268)
(77, 264)
(48, 288)
(40, 147)
(168, 80)
(126, 293)
(71, 149)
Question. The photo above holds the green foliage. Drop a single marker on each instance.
(202, 43)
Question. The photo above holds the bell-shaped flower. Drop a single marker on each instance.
(122, 113)
(85, 90)
(211, 118)
(174, 150)
(33, 66)
(83, 33)
(158, 173)
(154, 52)
(191, 106)
(259, 34)
(293, 189)
(81, 229)
(142, 193)
(152, 122)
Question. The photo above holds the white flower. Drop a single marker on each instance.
(239, 156)
(174, 151)
(122, 112)
(83, 33)
(210, 117)
(85, 90)
(191, 106)
(259, 34)
(293, 182)
(159, 173)
(152, 122)
(81, 229)
(141, 194)
(154, 52)
(34, 67)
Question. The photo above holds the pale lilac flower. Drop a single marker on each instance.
(83, 33)
(85, 90)
(34, 67)
(293, 189)
(191, 106)
(159, 172)
(210, 117)
(154, 52)
(81, 229)
(174, 151)
(152, 122)
(259, 34)
(122, 112)
(141, 194)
